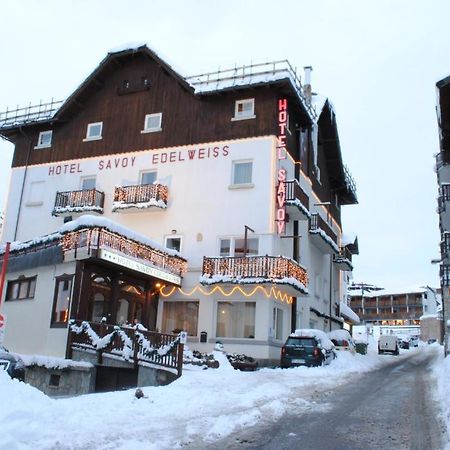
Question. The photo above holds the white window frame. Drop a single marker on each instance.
(234, 328)
(83, 179)
(244, 115)
(278, 323)
(41, 137)
(153, 129)
(174, 236)
(88, 132)
(141, 176)
(235, 185)
(233, 240)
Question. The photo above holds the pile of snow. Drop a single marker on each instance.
(53, 363)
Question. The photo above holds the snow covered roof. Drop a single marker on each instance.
(348, 312)
(386, 292)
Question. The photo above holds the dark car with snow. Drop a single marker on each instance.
(12, 364)
(307, 347)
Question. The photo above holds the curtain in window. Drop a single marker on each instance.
(236, 319)
(180, 316)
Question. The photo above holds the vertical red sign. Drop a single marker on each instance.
(281, 154)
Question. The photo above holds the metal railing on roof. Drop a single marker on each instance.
(31, 113)
(249, 73)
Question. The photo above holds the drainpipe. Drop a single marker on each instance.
(30, 146)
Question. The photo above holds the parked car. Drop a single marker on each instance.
(403, 342)
(307, 347)
(388, 344)
(414, 341)
(12, 364)
(342, 341)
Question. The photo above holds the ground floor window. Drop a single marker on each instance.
(61, 300)
(277, 323)
(236, 319)
(180, 316)
(21, 289)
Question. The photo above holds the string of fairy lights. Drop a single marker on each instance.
(167, 291)
(141, 193)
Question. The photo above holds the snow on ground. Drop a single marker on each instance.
(202, 406)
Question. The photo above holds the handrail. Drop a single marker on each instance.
(83, 198)
(141, 193)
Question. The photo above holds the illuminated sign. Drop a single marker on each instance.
(132, 264)
(281, 154)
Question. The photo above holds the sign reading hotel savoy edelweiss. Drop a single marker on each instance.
(157, 157)
(281, 154)
(139, 267)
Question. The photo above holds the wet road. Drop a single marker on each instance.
(390, 408)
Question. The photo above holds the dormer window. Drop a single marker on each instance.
(152, 123)
(244, 109)
(44, 139)
(94, 131)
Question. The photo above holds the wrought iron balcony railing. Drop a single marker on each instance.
(85, 200)
(141, 196)
(297, 201)
(254, 269)
(319, 227)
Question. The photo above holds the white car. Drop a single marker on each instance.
(342, 341)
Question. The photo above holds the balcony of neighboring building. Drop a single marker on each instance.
(442, 159)
(343, 261)
(322, 236)
(297, 201)
(80, 201)
(286, 274)
(141, 197)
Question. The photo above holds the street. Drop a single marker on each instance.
(389, 408)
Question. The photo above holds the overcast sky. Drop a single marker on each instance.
(377, 60)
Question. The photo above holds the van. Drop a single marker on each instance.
(388, 344)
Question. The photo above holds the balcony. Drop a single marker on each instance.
(343, 261)
(140, 197)
(72, 202)
(322, 236)
(297, 202)
(442, 159)
(144, 257)
(285, 273)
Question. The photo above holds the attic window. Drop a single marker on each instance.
(94, 131)
(44, 139)
(244, 109)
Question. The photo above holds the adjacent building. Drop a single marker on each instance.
(209, 204)
(443, 209)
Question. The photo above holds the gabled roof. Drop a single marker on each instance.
(94, 81)
(341, 181)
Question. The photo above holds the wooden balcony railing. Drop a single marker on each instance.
(92, 239)
(273, 269)
(133, 344)
(316, 223)
(295, 192)
(140, 196)
(85, 200)
(442, 159)
(344, 259)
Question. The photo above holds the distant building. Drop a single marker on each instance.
(377, 306)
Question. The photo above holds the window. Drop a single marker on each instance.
(148, 177)
(242, 172)
(44, 139)
(152, 123)
(173, 242)
(61, 300)
(36, 193)
(94, 131)
(180, 316)
(244, 109)
(236, 319)
(235, 246)
(21, 289)
(88, 183)
(277, 323)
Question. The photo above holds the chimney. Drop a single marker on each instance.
(307, 82)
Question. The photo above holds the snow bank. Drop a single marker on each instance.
(200, 407)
